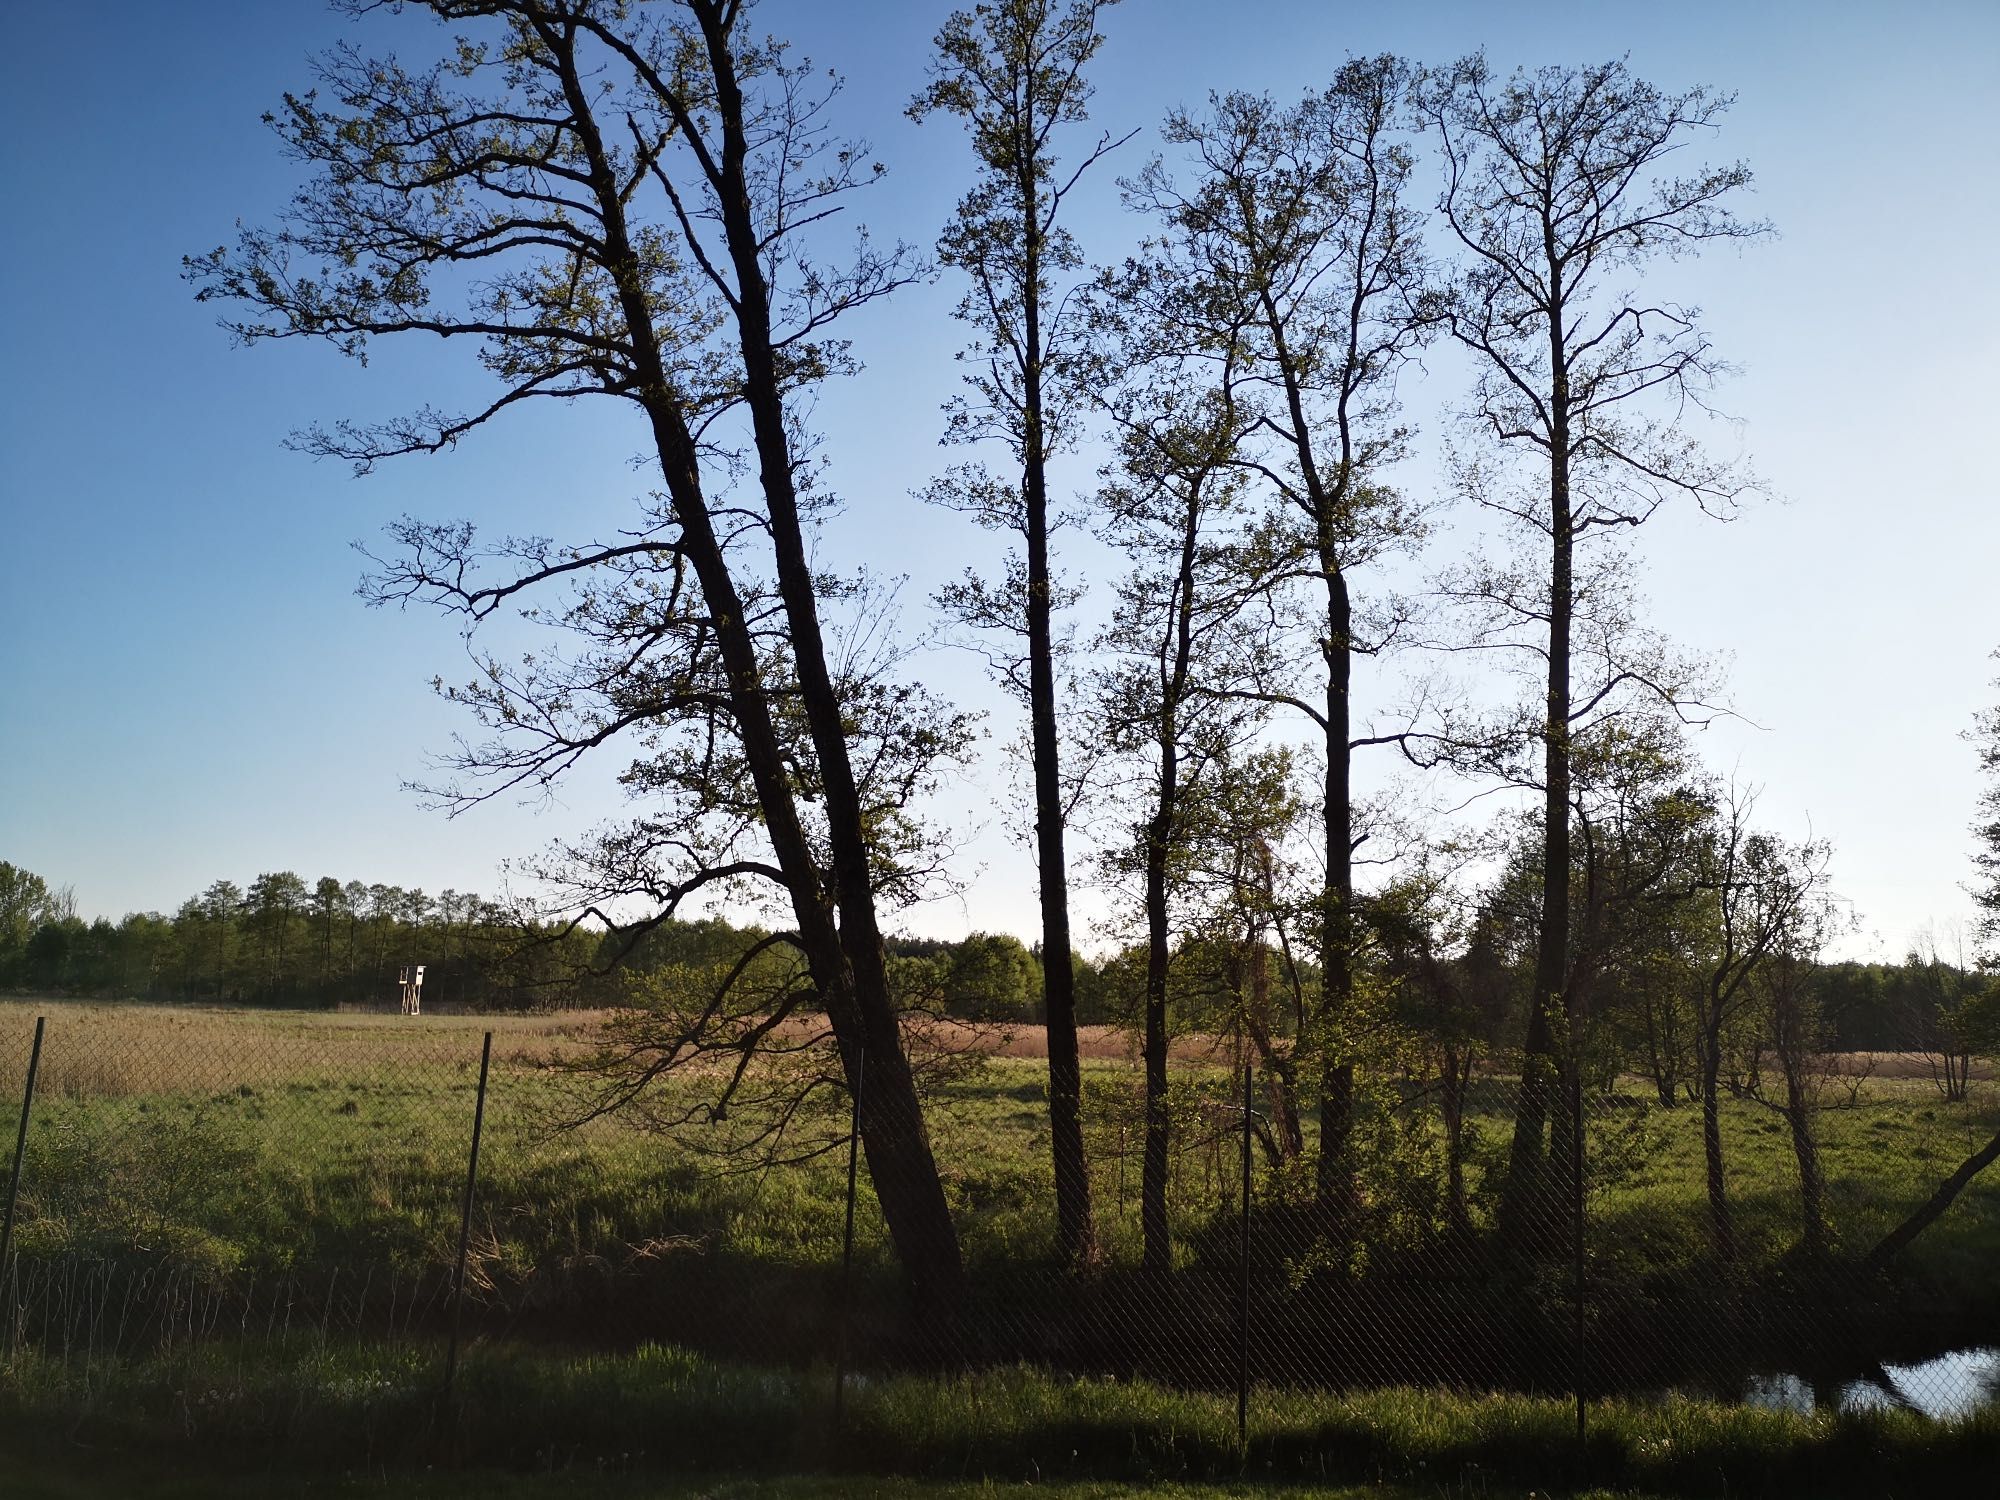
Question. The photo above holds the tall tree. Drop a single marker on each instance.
(1292, 230)
(631, 205)
(1013, 70)
(25, 903)
(353, 902)
(271, 910)
(1173, 503)
(1559, 187)
(328, 903)
(219, 908)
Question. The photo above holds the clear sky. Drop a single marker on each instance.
(189, 689)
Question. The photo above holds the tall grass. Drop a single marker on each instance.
(667, 1411)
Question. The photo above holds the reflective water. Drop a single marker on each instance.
(1950, 1385)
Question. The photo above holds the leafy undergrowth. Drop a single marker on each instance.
(660, 1416)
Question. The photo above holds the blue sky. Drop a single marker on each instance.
(189, 689)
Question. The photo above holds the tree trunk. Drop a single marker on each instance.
(1075, 1234)
(1720, 1228)
(855, 995)
(1958, 1076)
(1898, 1239)
(1812, 1185)
(845, 956)
(1280, 1073)
(1530, 1182)
(1454, 1076)
(1335, 1186)
(1530, 1198)
(1176, 660)
(1154, 1229)
(1660, 1054)
(900, 1163)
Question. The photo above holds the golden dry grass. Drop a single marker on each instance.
(101, 1050)
(104, 1049)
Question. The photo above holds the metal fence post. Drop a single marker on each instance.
(14, 1181)
(1243, 1302)
(465, 1218)
(847, 1243)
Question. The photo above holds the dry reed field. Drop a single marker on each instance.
(111, 1049)
(107, 1050)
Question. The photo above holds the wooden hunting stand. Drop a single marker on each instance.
(412, 981)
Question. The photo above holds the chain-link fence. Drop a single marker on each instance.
(1752, 1232)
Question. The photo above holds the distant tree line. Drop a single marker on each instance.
(280, 942)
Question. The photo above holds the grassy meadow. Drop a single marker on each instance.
(238, 1225)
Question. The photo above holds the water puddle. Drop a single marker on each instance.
(1951, 1385)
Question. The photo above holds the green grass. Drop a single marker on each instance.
(667, 1422)
(245, 1150)
(644, 1324)
(92, 1482)
(1880, 1158)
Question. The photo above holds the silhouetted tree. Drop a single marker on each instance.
(1559, 187)
(1013, 70)
(629, 206)
(1173, 503)
(1291, 250)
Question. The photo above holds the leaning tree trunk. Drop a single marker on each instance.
(900, 1162)
(845, 956)
(1898, 1239)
